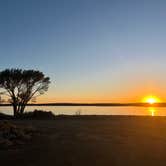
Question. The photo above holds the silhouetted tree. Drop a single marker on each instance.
(22, 85)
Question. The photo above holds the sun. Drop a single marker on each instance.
(151, 99)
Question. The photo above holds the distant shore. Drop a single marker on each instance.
(97, 104)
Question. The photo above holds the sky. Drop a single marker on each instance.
(93, 50)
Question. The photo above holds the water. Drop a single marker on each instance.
(86, 110)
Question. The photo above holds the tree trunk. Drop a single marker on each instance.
(15, 109)
(22, 109)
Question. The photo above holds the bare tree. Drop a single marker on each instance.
(21, 86)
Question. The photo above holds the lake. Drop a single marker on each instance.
(92, 110)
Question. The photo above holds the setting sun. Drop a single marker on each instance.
(151, 99)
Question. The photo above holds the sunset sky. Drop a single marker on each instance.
(93, 50)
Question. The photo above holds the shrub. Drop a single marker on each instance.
(38, 114)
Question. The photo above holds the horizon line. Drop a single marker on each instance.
(140, 104)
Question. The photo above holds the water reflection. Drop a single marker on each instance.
(140, 111)
(152, 111)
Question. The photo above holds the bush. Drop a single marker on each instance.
(38, 114)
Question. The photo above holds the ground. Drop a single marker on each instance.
(91, 141)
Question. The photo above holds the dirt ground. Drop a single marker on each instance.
(91, 141)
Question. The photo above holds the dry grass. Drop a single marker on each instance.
(92, 141)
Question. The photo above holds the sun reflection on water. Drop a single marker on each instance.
(152, 111)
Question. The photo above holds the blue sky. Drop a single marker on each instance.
(93, 50)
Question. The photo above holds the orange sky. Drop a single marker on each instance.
(123, 96)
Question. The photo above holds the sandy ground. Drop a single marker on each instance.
(91, 141)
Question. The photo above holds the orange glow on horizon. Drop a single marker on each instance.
(95, 99)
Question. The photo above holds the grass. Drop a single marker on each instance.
(91, 140)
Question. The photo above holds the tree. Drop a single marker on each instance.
(21, 86)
